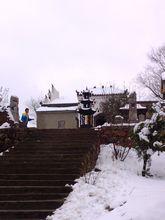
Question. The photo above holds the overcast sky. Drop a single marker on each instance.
(74, 43)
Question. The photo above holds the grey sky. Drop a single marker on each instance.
(74, 43)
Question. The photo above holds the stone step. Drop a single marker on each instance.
(25, 214)
(59, 136)
(50, 141)
(36, 182)
(35, 159)
(66, 138)
(70, 130)
(66, 134)
(23, 176)
(33, 189)
(43, 159)
(76, 130)
(42, 170)
(32, 196)
(40, 166)
(43, 156)
(42, 163)
(48, 151)
(62, 139)
(53, 145)
(44, 153)
(31, 204)
(34, 175)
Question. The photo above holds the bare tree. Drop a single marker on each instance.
(111, 106)
(33, 104)
(151, 77)
(3, 96)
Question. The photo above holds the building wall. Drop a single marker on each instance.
(48, 120)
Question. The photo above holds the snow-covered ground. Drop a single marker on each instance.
(118, 191)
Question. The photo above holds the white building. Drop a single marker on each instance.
(57, 112)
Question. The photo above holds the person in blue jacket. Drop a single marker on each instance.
(25, 117)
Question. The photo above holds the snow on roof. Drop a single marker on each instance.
(64, 99)
(105, 90)
(56, 109)
(137, 105)
(140, 106)
(163, 76)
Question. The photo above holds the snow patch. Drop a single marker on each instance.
(5, 125)
(117, 186)
(163, 76)
(54, 109)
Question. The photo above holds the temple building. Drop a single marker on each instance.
(131, 110)
(84, 110)
(57, 112)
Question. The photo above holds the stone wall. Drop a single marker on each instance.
(10, 137)
(120, 135)
(4, 117)
(91, 158)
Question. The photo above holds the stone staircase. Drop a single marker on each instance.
(34, 174)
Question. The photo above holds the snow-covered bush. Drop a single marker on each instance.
(91, 177)
(149, 136)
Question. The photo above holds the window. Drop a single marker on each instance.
(61, 124)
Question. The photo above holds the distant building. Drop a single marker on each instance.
(131, 112)
(99, 95)
(61, 112)
(57, 112)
